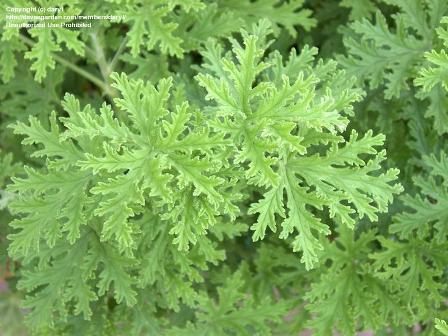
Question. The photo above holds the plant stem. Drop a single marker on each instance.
(100, 58)
(117, 54)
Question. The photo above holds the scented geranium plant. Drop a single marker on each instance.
(226, 168)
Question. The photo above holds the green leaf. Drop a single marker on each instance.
(441, 326)
(41, 53)
(350, 282)
(429, 208)
(410, 267)
(227, 315)
(271, 122)
(149, 27)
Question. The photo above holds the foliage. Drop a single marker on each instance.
(441, 326)
(220, 168)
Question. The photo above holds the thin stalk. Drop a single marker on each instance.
(100, 58)
(120, 50)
